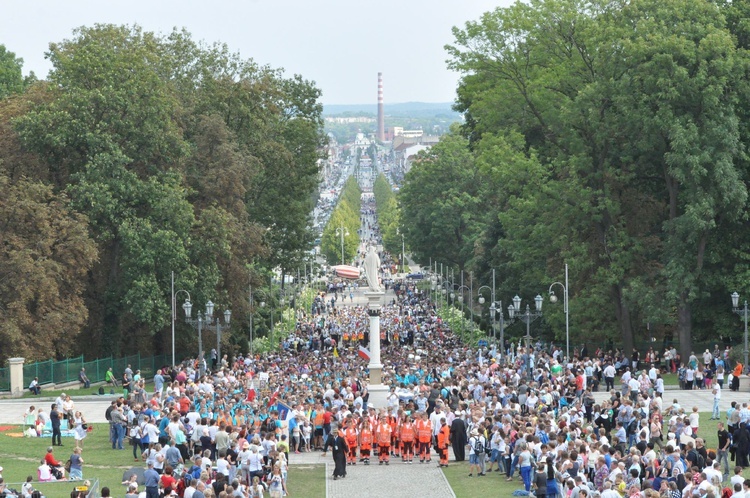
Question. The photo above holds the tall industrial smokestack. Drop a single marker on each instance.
(381, 116)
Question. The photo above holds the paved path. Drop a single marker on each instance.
(703, 399)
(375, 481)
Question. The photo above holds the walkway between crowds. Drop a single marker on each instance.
(701, 398)
(376, 481)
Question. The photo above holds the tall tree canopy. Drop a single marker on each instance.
(179, 156)
(608, 136)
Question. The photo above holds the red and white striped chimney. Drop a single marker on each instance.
(381, 116)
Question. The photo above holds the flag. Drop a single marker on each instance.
(275, 395)
(335, 352)
(284, 411)
(364, 353)
(251, 392)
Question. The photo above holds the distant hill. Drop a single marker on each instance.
(405, 109)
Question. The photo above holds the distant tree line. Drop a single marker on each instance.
(343, 225)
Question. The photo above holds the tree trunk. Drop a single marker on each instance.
(622, 311)
(684, 327)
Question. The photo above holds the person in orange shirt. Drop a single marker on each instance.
(365, 441)
(407, 434)
(395, 447)
(384, 440)
(443, 439)
(736, 376)
(424, 437)
(351, 436)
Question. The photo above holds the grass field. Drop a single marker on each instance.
(494, 484)
(20, 458)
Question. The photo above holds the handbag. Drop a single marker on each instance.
(67, 466)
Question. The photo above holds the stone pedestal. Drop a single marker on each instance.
(16, 377)
(378, 391)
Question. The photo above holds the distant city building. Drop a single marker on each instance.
(381, 112)
(349, 119)
(398, 131)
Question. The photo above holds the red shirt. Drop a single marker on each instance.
(168, 481)
(579, 382)
(327, 417)
(51, 460)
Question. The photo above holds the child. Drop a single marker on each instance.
(306, 434)
(620, 484)
(27, 488)
(284, 466)
(694, 419)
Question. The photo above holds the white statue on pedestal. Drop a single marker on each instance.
(372, 269)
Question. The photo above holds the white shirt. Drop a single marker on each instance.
(610, 371)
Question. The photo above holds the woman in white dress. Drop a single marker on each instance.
(80, 431)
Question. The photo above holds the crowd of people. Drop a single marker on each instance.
(230, 429)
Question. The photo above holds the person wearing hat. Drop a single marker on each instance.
(339, 451)
(477, 442)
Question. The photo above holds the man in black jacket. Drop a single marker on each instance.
(54, 418)
(340, 449)
(458, 438)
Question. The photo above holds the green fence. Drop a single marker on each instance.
(60, 372)
(5, 379)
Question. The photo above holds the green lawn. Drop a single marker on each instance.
(494, 484)
(307, 481)
(20, 458)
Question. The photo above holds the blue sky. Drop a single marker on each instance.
(340, 44)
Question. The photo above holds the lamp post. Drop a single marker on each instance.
(187, 306)
(264, 297)
(528, 316)
(553, 299)
(252, 321)
(482, 301)
(403, 248)
(207, 321)
(743, 312)
(342, 231)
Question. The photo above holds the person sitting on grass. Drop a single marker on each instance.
(44, 472)
(83, 378)
(110, 378)
(34, 387)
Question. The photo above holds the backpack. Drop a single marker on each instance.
(101, 390)
(478, 446)
(699, 460)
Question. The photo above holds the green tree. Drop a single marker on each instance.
(46, 254)
(344, 216)
(11, 74)
(439, 200)
(610, 98)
